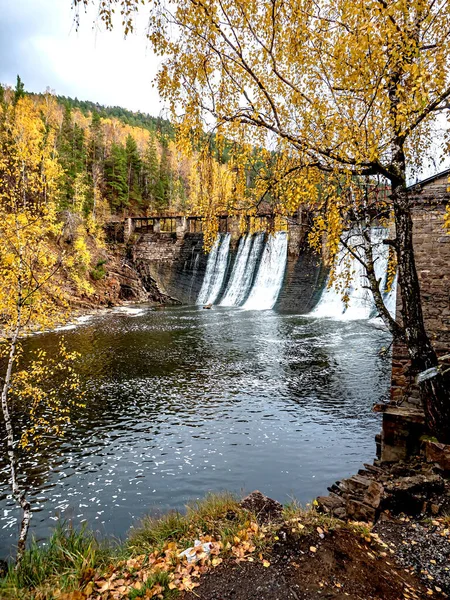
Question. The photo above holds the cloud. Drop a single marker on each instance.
(38, 40)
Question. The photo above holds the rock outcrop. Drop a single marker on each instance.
(413, 488)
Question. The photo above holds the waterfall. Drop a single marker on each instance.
(361, 304)
(241, 279)
(215, 270)
(194, 273)
(269, 278)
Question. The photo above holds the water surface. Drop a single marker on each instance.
(181, 401)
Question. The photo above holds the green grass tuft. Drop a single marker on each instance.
(158, 577)
(218, 515)
(71, 556)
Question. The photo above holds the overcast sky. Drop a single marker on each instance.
(39, 42)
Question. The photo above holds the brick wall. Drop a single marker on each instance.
(432, 252)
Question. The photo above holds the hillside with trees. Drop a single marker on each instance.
(116, 162)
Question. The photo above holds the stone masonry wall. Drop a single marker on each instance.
(432, 253)
(176, 262)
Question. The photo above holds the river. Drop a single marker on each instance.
(182, 401)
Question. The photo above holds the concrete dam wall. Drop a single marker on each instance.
(246, 269)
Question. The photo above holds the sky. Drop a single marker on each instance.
(39, 41)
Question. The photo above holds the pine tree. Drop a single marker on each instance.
(19, 92)
(164, 183)
(133, 171)
(72, 156)
(150, 173)
(116, 178)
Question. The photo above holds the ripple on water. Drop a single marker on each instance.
(182, 401)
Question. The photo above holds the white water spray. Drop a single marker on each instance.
(361, 303)
(241, 279)
(215, 270)
(269, 278)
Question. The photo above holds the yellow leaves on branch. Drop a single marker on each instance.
(339, 84)
(47, 389)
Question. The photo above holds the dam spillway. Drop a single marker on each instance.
(351, 274)
(257, 274)
(253, 279)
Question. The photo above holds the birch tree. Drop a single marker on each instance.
(30, 294)
(347, 88)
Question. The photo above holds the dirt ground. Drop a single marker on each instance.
(339, 564)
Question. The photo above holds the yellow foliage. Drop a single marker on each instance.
(349, 88)
(47, 389)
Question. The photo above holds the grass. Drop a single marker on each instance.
(158, 577)
(69, 558)
(99, 272)
(217, 515)
(74, 559)
(309, 518)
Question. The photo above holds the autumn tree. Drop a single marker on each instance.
(150, 173)
(30, 297)
(345, 88)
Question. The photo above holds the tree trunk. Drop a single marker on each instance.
(18, 493)
(434, 389)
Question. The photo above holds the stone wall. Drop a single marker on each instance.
(176, 262)
(403, 420)
(432, 253)
(305, 275)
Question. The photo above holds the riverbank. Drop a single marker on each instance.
(254, 549)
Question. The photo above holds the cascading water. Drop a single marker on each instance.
(269, 278)
(244, 289)
(248, 254)
(390, 297)
(215, 270)
(360, 304)
(194, 273)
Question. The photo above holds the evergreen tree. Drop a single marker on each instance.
(19, 91)
(72, 156)
(133, 171)
(97, 143)
(116, 178)
(150, 173)
(164, 183)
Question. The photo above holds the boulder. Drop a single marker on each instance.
(416, 484)
(358, 511)
(356, 485)
(374, 494)
(438, 453)
(333, 505)
(266, 509)
(411, 494)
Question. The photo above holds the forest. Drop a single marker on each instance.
(114, 162)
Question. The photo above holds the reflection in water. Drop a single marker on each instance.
(181, 401)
